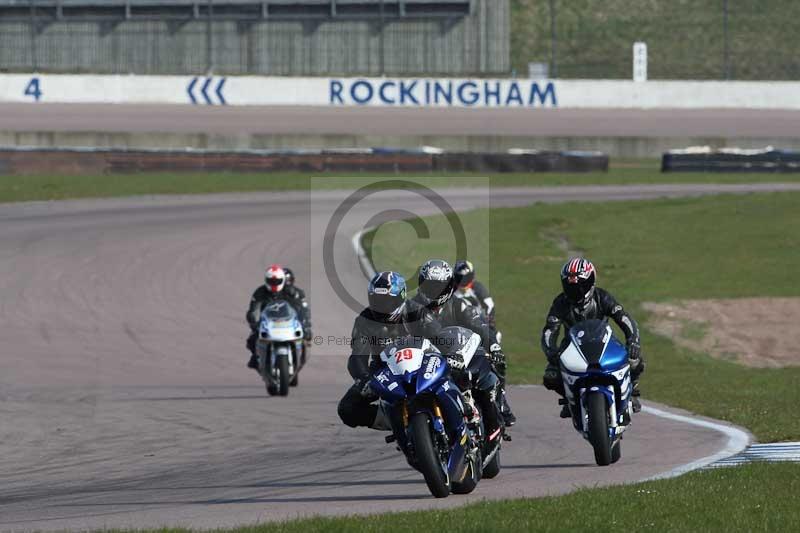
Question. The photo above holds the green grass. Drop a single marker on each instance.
(685, 39)
(752, 498)
(29, 188)
(659, 250)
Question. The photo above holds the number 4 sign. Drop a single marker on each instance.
(34, 89)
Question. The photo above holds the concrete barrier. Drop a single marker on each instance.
(413, 92)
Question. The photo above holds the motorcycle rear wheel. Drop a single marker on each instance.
(598, 427)
(428, 456)
(493, 467)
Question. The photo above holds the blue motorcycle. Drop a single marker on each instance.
(597, 383)
(426, 411)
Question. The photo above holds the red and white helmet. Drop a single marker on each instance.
(578, 277)
(275, 278)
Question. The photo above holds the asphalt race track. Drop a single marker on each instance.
(125, 397)
(241, 120)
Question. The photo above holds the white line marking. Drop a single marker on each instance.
(363, 260)
(737, 439)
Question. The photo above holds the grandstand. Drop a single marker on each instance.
(267, 37)
(121, 10)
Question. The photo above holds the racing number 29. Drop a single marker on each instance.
(404, 354)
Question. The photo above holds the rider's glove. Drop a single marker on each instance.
(362, 385)
(634, 350)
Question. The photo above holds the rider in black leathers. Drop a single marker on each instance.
(582, 300)
(278, 285)
(475, 375)
(388, 318)
(436, 286)
(473, 291)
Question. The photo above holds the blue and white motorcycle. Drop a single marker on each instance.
(280, 348)
(426, 411)
(597, 383)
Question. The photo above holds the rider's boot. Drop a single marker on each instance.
(382, 421)
(637, 405)
(253, 362)
(470, 410)
(565, 412)
(505, 410)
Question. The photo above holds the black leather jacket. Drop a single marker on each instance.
(458, 312)
(602, 305)
(478, 295)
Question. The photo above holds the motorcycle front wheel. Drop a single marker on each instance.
(598, 427)
(428, 456)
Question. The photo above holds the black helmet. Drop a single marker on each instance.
(289, 276)
(464, 273)
(436, 282)
(577, 279)
(387, 294)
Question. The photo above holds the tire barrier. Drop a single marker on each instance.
(704, 159)
(67, 161)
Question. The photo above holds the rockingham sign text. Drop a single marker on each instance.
(442, 92)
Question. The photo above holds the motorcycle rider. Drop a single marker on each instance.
(472, 290)
(388, 318)
(475, 377)
(582, 300)
(276, 287)
(434, 294)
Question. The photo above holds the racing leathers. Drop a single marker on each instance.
(600, 306)
(478, 295)
(372, 332)
(261, 297)
(459, 312)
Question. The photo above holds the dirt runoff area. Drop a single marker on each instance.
(757, 332)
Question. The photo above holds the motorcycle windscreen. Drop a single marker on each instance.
(572, 360)
(404, 362)
(279, 311)
(591, 338)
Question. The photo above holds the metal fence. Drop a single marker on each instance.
(686, 39)
(342, 37)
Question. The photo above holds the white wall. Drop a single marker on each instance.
(398, 92)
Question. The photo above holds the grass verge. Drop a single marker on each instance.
(726, 499)
(659, 250)
(48, 187)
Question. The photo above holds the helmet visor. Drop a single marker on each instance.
(385, 304)
(436, 291)
(578, 291)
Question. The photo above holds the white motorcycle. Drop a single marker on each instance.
(280, 347)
